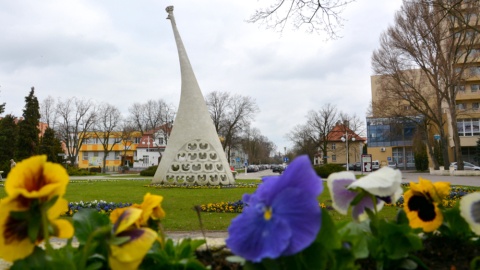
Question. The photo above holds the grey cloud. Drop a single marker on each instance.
(50, 50)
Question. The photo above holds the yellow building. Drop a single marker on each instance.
(122, 150)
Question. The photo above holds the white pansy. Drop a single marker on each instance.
(385, 182)
(470, 210)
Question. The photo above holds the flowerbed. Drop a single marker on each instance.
(100, 206)
(281, 225)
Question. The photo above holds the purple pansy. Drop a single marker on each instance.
(384, 185)
(281, 218)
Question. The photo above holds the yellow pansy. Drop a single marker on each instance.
(151, 207)
(421, 204)
(129, 255)
(36, 178)
(14, 241)
(29, 185)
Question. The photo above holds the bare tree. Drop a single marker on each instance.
(128, 134)
(152, 116)
(231, 115)
(256, 146)
(75, 118)
(303, 143)
(107, 129)
(427, 38)
(48, 113)
(319, 124)
(321, 16)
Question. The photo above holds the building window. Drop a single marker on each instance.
(475, 106)
(117, 154)
(461, 106)
(460, 88)
(334, 157)
(146, 160)
(136, 140)
(474, 71)
(334, 146)
(474, 88)
(468, 127)
(160, 141)
(85, 155)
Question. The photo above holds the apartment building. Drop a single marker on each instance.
(393, 123)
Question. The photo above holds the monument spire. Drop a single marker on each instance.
(194, 154)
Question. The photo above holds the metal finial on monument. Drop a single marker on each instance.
(169, 10)
(194, 154)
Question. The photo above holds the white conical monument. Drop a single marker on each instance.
(194, 154)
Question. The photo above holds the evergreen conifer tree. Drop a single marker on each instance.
(8, 138)
(477, 151)
(51, 146)
(28, 133)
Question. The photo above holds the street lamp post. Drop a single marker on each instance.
(345, 138)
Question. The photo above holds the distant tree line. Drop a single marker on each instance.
(67, 118)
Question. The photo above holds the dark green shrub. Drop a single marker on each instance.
(96, 169)
(74, 171)
(150, 171)
(325, 170)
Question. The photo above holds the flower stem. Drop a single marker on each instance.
(46, 233)
(91, 237)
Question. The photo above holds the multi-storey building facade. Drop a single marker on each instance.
(383, 141)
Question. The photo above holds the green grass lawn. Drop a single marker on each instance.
(178, 203)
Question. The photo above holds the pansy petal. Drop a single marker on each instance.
(251, 237)
(63, 228)
(151, 207)
(58, 208)
(36, 178)
(299, 173)
(383, 182)
(442, 189)
(130, 254)
(416, 221)
(14, 243)
(421, 211)
(303, 217)
(470, 210)
(126, 219)
(341, 196)
(358, 210)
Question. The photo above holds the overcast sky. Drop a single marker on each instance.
(122, 52)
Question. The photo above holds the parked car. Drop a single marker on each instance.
(252, 168)
(278, 168)
(351, 166)
(357, 166)
(392, 164)
(375, 165)
(466, 166)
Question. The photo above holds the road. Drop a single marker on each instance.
(407, 177)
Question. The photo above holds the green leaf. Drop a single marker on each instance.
(456, 224)
(328, 234)
(119, 240)
(86, 221)
(357, 234)
(46, 205)
(33, 230)
(402, 217)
